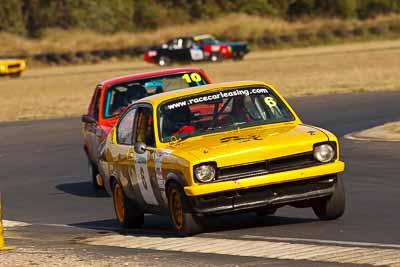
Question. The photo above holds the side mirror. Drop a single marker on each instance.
(101, 151)
(88, 119)
(140, 147)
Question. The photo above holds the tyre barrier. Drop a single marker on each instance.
(302, 37)
(2, 243)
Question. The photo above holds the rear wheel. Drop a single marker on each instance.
(127, 213)
(185, 223)
(332, 207)
(164, 61)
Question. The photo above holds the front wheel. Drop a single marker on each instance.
(128, 214)
(238, 56)
(332, 207)
(185, 223)
(265, 211)
(15, 75)
(95, 176)
(215, 57)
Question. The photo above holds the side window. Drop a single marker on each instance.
(188, 43)
(94, 106)
(125, 128)
(175, 44)
(144, 126)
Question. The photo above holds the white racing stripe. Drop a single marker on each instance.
(272, 249)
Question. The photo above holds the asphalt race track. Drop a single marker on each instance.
(44, 178)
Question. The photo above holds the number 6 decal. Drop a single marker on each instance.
(270, 102)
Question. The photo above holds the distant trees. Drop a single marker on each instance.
(29, 17)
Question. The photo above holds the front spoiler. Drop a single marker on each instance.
(267, 179)
(265, 196)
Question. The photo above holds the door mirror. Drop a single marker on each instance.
(88, 119)
(140, 147)
(101, 151)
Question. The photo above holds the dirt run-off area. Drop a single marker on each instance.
(60, 91)
(386, 132)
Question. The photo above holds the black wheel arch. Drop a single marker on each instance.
(174, 178)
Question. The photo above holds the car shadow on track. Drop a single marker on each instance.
(161, 226)
(82, 189)
(154, 225)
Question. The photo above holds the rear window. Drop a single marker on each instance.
(120, 96)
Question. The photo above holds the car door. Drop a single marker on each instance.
(136, 172)
(151, 191)
(92, 129)
(196, 52)
(178, 49)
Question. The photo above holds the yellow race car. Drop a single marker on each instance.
(12, 67)
(218, 149)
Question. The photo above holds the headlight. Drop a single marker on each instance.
(204, 173)
(324, 153)
(2, 68)
(23, 64)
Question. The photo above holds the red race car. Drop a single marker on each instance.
(112, 97)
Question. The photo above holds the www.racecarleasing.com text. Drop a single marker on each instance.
(217, 96)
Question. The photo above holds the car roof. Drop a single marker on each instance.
(142, 75)
(193, 36)
(155, 100)
(201, 36)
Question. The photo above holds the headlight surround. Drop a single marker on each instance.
(324, 152)
(205, 172)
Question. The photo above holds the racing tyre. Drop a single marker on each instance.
(164, 61)
(215, 57)
(127, 212)
(185, 223)
(238, 56)
(93, 172)
(332, 207)
(15, 75)
(266, 212)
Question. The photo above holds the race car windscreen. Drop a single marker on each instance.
(220, 111)
(120, 96)
(209, 40)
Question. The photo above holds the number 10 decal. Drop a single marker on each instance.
(143, 179)
(193, 77)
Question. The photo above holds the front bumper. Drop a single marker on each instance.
(265, 196)
(267, 179)
(11, 71)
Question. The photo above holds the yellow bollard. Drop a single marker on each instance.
(2, 244)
